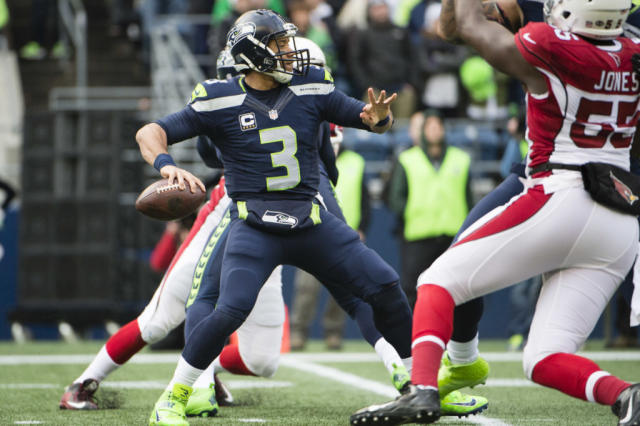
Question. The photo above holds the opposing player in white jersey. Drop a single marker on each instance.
(582, 107)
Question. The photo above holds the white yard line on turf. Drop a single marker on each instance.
(171, 358)
(366, 384)
(152, 384)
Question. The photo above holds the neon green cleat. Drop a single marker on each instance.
(170, 408)
(515, 343)
(459, 404)
(456, 376)
(202, 402)
(400, 378)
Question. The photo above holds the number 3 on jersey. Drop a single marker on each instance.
(285, 158)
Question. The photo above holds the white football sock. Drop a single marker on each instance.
(217, 367)
(408, 363)
(185, 374)
(387, 354)
(99, 368)
(206, 378)
(463, 352)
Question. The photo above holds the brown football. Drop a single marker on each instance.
(164, 201)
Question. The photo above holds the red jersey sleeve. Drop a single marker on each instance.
(535, 42)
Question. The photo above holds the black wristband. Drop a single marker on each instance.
(163, 160)
(383, 122)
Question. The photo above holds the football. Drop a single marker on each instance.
(165, 201)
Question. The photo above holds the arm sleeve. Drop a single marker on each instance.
(327, 156)
(365, 207)
(181, 125)
(209, 153)
(344, 110)
(533, 42)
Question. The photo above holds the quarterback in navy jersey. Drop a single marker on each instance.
(265, 125)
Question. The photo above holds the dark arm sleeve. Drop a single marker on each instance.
(327, 156)
(209, 153)
(181, 125)
(365, 207)
(344, 110)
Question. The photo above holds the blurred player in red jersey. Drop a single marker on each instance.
(582, 100)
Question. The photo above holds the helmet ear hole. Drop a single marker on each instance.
(566, 14)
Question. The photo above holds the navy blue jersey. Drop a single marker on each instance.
(328, 166)
(531, 11)
(269, 145)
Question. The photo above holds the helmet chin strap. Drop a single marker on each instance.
(279, 76)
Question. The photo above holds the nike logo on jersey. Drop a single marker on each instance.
(527, 36)
(615, 58)
(618, 81)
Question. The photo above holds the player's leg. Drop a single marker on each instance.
(573, 298)
(462, 365)
(454, 404)
(333, 252)
(203, 297)
(550, 223)
(257, 352)
(164, 312)
(569, 305)
(249, 258)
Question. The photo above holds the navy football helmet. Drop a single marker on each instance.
(249, 40)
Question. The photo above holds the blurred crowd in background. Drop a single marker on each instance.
(450, 103)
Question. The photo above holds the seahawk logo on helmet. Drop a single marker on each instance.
(238, 32)
(598, 19)
(249, 40)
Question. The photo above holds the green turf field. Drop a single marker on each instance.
(314, 387)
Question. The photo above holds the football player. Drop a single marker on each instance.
(462, 365)
(204, 296)
(258, 348)
(265, 125)
(577, 114)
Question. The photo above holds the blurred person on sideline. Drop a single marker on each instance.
(430, 193)
(438, 61)
(380, 56)
(44, 33)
